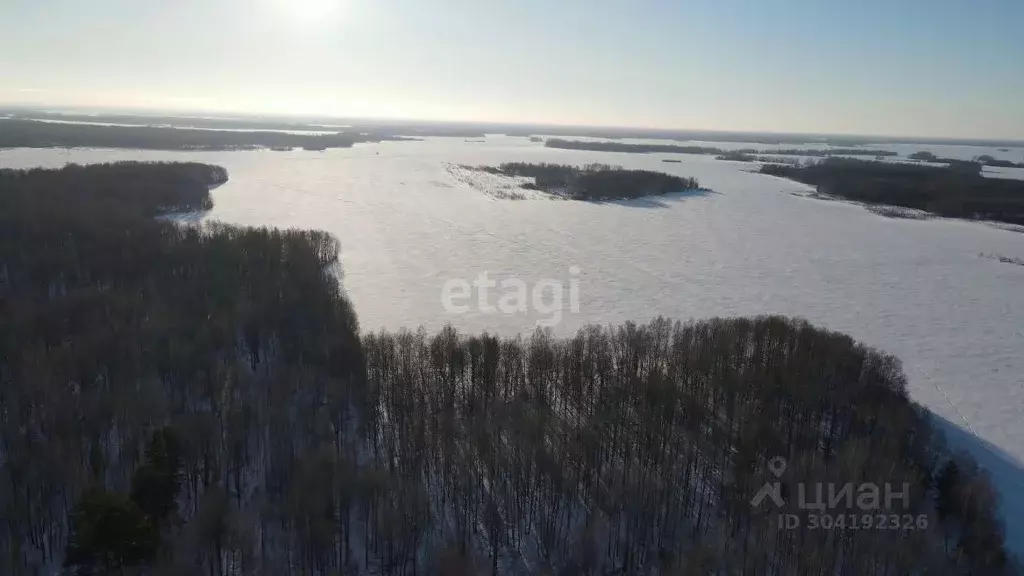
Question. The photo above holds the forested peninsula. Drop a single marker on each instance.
(199, 399)
(958, 190)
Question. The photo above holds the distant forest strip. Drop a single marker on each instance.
(594, 181)
(181, 399)
(707, 150)
(243, 123)
(737, 156)
(985, 160)
(957, 191)
(374, 131)
(629, 148)
(996, 163)
(36, 134)
(477, 129)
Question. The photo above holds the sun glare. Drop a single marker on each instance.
(312, 11)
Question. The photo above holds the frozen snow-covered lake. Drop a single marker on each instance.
(917, 289)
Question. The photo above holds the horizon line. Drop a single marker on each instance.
(225, 114)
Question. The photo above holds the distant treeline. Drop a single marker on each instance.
(995, 163)
(819, 153)
(707, 150)
(478, 129)
(957, 191)
(737, 156)
(985, 160)
(596, 181)
(36, 134)
(629, 148)
(242, 123)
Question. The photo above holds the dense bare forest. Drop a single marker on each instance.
(956, 191)
(183, 400)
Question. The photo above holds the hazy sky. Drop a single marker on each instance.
(904, 67)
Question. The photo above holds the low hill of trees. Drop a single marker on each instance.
(957, 191)
(924, 156)
(600, 146)
(183, 399)
(595, 181)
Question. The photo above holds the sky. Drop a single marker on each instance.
(908, 68)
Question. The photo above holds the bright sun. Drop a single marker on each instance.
(311, 11)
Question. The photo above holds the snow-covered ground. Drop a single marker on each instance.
(408, 224)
